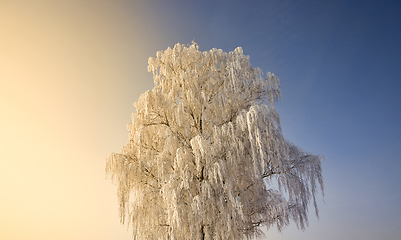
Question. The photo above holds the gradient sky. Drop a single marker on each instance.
(71, 70)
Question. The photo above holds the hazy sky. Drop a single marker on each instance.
(71, 70)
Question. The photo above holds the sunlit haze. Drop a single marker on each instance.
(70, 72)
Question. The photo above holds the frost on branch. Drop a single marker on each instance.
(205, 150)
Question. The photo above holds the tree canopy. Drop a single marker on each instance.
(206, 158)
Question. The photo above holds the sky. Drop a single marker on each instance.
(70, 72)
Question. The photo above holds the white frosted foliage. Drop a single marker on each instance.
(205, 150)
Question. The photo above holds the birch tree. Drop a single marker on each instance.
(206, 158)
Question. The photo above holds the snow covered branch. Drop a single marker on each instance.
(205, 150)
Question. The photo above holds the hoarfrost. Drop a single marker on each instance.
(204, 149)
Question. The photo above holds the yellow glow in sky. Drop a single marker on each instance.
(69, 73)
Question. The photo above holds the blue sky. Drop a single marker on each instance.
(71, 70)
(338, 62)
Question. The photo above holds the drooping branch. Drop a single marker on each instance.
(204, 150)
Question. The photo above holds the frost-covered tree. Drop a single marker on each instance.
(205, 150)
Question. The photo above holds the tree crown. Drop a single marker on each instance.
(204, 149)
